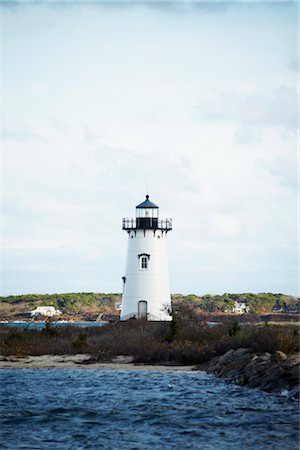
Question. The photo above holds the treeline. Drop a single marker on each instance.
(89, 305)
(258, 303)
(81, 305)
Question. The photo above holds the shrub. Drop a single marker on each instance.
(80, 342)
(181, 341)
(270, 338)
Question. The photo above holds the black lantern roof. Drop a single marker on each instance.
(147, 204)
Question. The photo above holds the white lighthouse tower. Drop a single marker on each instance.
(146, 291)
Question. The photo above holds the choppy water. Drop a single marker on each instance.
(104, 409)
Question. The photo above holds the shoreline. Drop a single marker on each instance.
(81, 361)
(274, 374)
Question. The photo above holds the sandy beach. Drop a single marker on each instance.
(80, 361)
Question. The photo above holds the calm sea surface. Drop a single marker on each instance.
(105, 409)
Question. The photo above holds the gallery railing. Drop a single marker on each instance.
(147, 223)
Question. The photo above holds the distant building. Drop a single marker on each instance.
(278, 309)
(48, 311)
(292, 309)
(288, 309)
(239, 308)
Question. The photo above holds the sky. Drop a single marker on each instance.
(193, 103)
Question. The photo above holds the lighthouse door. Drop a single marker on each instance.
(142, 309)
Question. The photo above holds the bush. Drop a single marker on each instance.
(180, 341)
(269, 338)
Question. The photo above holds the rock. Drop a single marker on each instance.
(275, 373)
(237, 365)
(231, 360)
(294, 359)
(295, 392)
(122, 359)
(262, 358)
(272, 379)
(213, 363)
(225, 359)
(280, 356)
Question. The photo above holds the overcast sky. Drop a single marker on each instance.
(193, 103)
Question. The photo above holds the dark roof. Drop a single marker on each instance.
(147, 204)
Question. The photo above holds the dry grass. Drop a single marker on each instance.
(179, 342)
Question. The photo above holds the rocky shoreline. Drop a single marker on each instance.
(272, 373)
(276, 372)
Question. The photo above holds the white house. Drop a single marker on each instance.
(48, 311)
(146, 291)
(239, 308)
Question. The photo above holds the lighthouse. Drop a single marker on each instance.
(146, 291)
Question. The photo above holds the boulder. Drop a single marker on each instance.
(280, 356)
(272, 373)
(294, 359)
(231, 360)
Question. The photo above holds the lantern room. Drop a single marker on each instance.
(147, 215)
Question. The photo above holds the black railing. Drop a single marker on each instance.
(147, 223)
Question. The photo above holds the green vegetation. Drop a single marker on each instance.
(88, 305)
(259, 303)
(82, 305)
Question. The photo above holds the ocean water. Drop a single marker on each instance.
(72, 409)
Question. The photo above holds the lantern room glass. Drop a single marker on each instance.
(147, 213)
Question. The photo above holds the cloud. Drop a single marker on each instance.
(204, 5)
(21, 134)
(284, 169)
(248, 135)
(224, 225)
(294, 65)
(31, 244)
(277, 108)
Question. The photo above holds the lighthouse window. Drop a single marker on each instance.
(144, 262)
